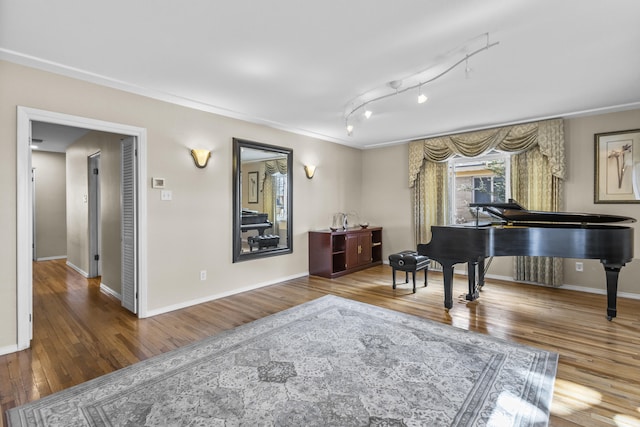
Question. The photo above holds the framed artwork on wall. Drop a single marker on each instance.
(253, 187)
(617, 167)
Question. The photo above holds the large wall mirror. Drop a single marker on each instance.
(262, 192)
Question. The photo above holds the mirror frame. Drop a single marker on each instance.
(238, 255)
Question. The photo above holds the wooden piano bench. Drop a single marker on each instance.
(409, 261)
(264, 241)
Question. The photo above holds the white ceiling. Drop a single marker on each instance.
(296, 65)
(52, 137)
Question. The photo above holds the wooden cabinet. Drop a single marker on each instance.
(336, 253)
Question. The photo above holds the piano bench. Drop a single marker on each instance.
(409, 261)
(264, 241)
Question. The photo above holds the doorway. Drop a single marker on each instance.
(95, 220)
(25, 207)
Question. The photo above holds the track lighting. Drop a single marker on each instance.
(417, 80)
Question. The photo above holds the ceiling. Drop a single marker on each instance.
(297, 65)
(53, 137)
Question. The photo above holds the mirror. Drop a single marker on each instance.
(262, 192)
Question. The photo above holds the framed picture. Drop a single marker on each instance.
(253, 187)
(617, 167)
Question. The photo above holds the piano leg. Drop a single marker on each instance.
(612, 272)
(473, 288)
(447, 275)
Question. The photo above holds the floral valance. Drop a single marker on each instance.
(548, 135)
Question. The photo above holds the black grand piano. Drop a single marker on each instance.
(514, 231)
(254, 220)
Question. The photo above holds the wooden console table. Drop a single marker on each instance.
(336, 253)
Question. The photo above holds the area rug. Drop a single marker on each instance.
(328, 362)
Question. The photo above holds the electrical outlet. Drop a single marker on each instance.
(166, 195)
(203, 275)
(579, 266)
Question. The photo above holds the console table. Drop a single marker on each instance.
(336, 253)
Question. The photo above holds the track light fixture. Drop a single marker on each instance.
(418, 80)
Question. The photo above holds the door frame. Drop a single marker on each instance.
(25, 116)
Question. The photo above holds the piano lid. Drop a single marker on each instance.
(513, 213)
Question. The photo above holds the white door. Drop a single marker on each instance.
(128, 191)
(95, 222)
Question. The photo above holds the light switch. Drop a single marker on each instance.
(165, 195)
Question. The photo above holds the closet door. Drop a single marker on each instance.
(129, 190)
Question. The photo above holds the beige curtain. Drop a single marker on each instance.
(430, 182)
(271, 167)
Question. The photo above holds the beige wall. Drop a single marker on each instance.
(387, 198)
(50, 206)
(108, 145)
(192, 232)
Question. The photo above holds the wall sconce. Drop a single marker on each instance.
(201, 157)
(309, 170)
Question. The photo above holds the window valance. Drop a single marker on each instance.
(548, 135)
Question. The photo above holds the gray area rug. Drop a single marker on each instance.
(329, 362)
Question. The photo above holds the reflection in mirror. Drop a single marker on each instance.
(262, 190)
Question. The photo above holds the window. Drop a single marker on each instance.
(280, 184)
(483, 179)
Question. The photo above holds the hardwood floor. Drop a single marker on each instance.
(81, 333)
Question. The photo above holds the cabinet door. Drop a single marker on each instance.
(364, 248)
(352, 252)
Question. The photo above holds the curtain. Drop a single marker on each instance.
(269, 189)
(429, 182)
(534, 186)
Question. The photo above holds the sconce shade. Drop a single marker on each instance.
(201, 157)
(309, 170)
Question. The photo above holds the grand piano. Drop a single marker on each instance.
(254, 220)
(512, 230)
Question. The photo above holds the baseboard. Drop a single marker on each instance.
(50, 258)
(79, 270)
(8, 349)
(107, 290)
(186, 304)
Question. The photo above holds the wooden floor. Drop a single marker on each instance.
(81, 333)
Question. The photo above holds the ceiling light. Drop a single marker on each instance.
(349, 129)
(417, 80)
(422, 98)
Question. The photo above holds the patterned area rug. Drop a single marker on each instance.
(329, 362)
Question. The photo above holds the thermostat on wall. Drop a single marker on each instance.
(157, 182)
